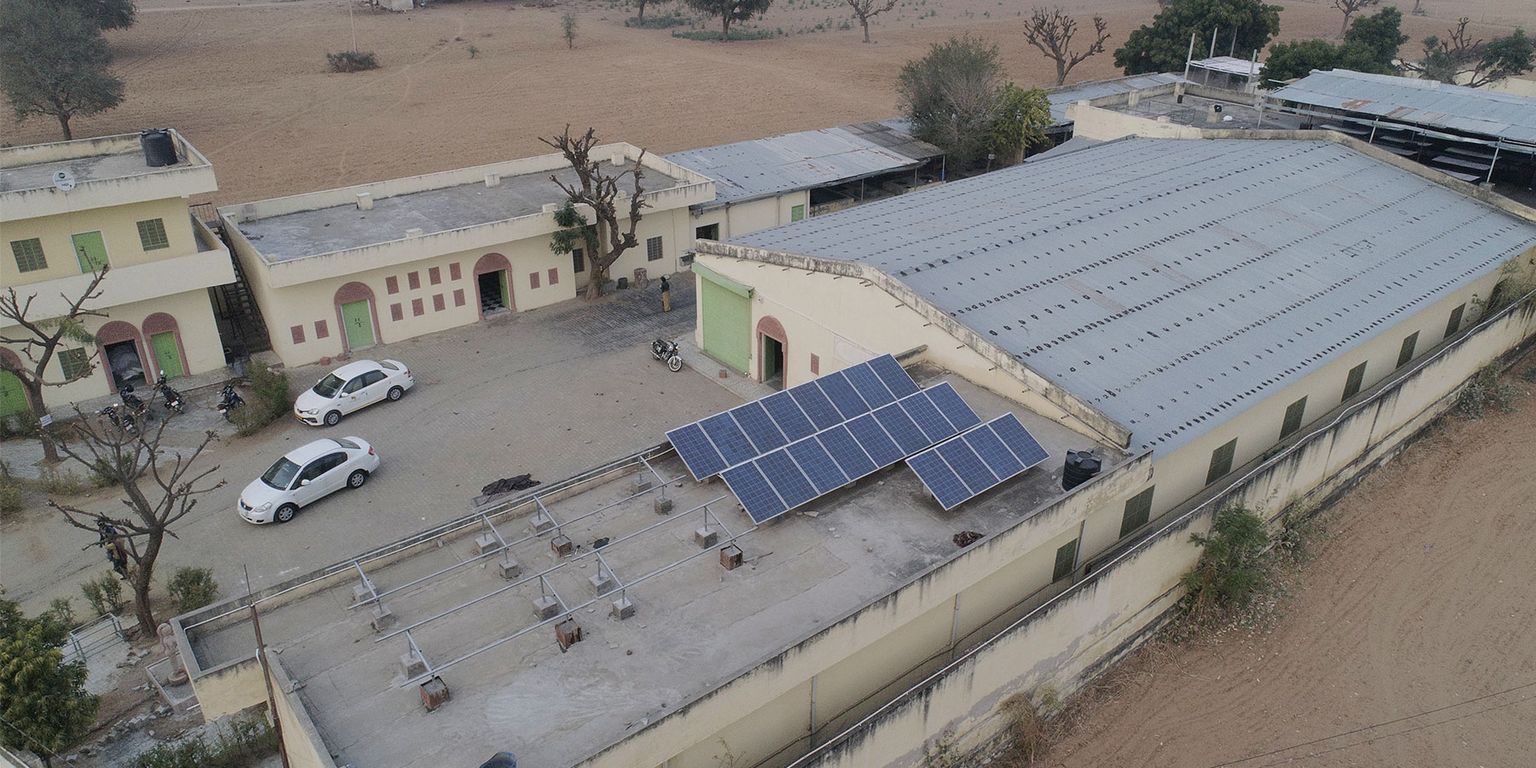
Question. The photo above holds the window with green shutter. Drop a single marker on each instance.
(152, 235)
(1406, 353)
(74, 363)
(29, 255)
(796, 213)
(1066, 559)
(1355, 380)
(1293, 417)
(1138, 509)
(1454, 324)
(1221, 462)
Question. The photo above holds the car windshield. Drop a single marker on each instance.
(329, 386)
(280, 476)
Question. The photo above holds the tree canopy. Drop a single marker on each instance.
(53, 63)
(1019, 122)
(951, 95)
(1162, 45)
(1370, 46)
(730, 11)
(105, 14)
(1476, 63)
(43, 701)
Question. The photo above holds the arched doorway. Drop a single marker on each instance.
(493, 284)
(358, 316)
(164, 340)
(772, 352)
(122, 355)
(13, 396)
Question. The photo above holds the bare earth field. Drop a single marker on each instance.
(1407, 642)
(247, 82)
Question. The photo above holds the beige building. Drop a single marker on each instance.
(338, 271)
(70, 208)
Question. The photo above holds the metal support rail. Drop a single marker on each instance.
(543, 573)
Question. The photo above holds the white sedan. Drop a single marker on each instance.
(306, 475)
(350, 387)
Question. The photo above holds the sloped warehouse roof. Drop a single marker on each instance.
(1421, 102)
(1173, 283)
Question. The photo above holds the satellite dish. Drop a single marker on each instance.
(64, 180)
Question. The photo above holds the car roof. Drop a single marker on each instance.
(354, 368)
(312, 451)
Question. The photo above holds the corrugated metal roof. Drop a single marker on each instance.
(1230, 65)
(1421, 102)
(1061, 98)
(748, 170)
(1173, 284)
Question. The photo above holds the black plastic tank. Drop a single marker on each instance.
(159, 147)
(1081, 467)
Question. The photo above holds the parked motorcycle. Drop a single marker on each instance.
(173, 399)
(123, 421)
(133, 405)
(666, 351)
(229, 400)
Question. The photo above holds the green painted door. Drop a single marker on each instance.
(91, 251)
(359, 323)
(727, 321)
(13, 399)
(167, 355)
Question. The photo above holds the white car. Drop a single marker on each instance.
(350, 387)
(306, 475)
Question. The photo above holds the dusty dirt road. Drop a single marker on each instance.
(1407, 642)
(247, 82)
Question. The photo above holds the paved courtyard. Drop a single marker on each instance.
(548, 392)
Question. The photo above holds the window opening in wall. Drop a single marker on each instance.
(1454, 324)
(653, 249)
(578, 260)
(29, 255)
(74, 363)
(707, 232)
(152, 235)
(1356, 378)
(1138, 509)
(797, 213)
(1221, 462)
(1294, 413)
(1406, 353)
(1066, 561)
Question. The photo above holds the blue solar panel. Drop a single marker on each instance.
(990, 448)
(953, 408)
(869, 386)
(847, 452)
(817, 465)
(1019, 440)
(929, 420)
(900, 426)
(696, 451)
(893, 375)
(754, 421)
(786, 478)
(841, 393)
(941, 481)
(728, 438)
(787, 415)
(754, 493)
(875, 441)
(964, 461)
(814, 402)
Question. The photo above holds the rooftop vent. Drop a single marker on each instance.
(365, 201)
(493, 179)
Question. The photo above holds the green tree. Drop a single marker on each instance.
(1162, 45)
(53, 63)
(1019, 122)
(43, 701)
(105, 14)
(1381, 33)
(1232, 568)
(574, 232)
(951, 96)
(600, 191)
(1370, 46)
(1460, 59)
(730, 10)
(1349, 8)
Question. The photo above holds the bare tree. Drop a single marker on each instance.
(1349, 8)
(1459, 59)
(600, 192)
(864, 10)
(160, 487)
(1051, 32)
(38, 341)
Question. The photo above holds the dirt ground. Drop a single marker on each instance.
(1406, 642)
(247, 82)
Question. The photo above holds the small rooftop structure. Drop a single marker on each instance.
(1227, 72)
(759, 168)
(109, 170)
(1172, 283)
(1095, 90)
(1427, 103)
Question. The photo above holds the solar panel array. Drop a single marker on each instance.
(814, 465)
(724, 440)
(977, 461)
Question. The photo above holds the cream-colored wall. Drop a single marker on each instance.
(301, 739)
(132, 182)
(740, 219)
(1104, 124)
(194, 324)
(119, 231)
(230, 689)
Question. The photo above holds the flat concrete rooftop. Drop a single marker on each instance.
(345, 227)
(696, 626)
(1235, 114)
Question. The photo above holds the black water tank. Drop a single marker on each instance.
(1081, 467)
(159, 147)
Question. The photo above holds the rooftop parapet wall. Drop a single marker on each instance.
(109, 171)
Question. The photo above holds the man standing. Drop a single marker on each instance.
(666, 295)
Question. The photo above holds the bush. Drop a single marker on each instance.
(10, 496)
(249, 740)
(1232, 569)
(659, 21)
(193, 588)
(62, 611)
(271, 399)
(711, 35)
(351, 61)
(1485, 390)
(104, 593)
